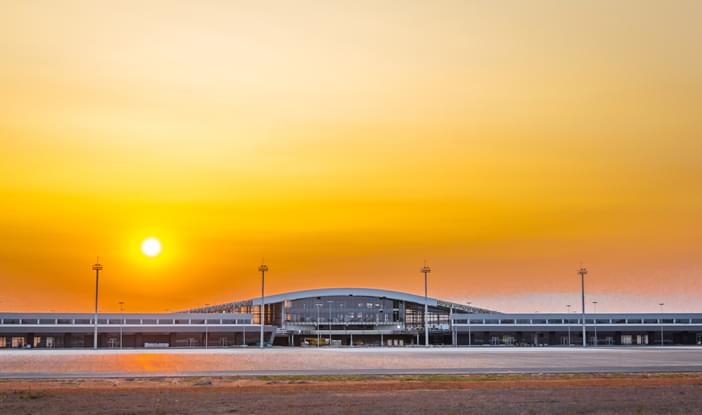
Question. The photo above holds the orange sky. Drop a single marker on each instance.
(346, 142)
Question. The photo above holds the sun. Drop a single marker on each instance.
(151, 247)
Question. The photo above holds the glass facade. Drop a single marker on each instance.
(273, 315)
(350, 311)
(343, 309)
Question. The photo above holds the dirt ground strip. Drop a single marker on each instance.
(440, 394)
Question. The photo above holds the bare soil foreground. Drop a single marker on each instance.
(426, 394)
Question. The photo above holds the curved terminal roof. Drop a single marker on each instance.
(333, 292)
(361, 292)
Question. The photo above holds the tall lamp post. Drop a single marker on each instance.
(319, 337)
(330, 302)
(378, 324)
(469, 323)
(453, 334)
(660, 319)
(426, 270)
(207, 340)
(263, 268)
(594, 304)
(583, 272)
(568, 306)
(121, 326)
(97, 267)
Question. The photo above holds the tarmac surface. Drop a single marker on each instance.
(75, 363)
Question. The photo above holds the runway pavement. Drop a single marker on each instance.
(34, 364)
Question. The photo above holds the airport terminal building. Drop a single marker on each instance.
(346, 317)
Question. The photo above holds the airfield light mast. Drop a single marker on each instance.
(426, 270)
(568, 306)
(121, 326)
(97, 267)
(583, 271)
(319, 338)
(660, 320)
(263, 268)
(594, 303)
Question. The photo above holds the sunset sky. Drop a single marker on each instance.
(346, 142)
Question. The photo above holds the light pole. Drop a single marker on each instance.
(453, 337)
(660, 320)
(206, 321)
(346, 325)
(97, 267)
(263, 268)
(319, 338)
(378, 325)
(583, 271)
(594, 304)
(568, 320)
(426, 270)
(121, 326)
(330, 302)
(469, 323)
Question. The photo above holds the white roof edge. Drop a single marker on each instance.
(324, 292)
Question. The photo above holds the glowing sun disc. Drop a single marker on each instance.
(151, 247)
